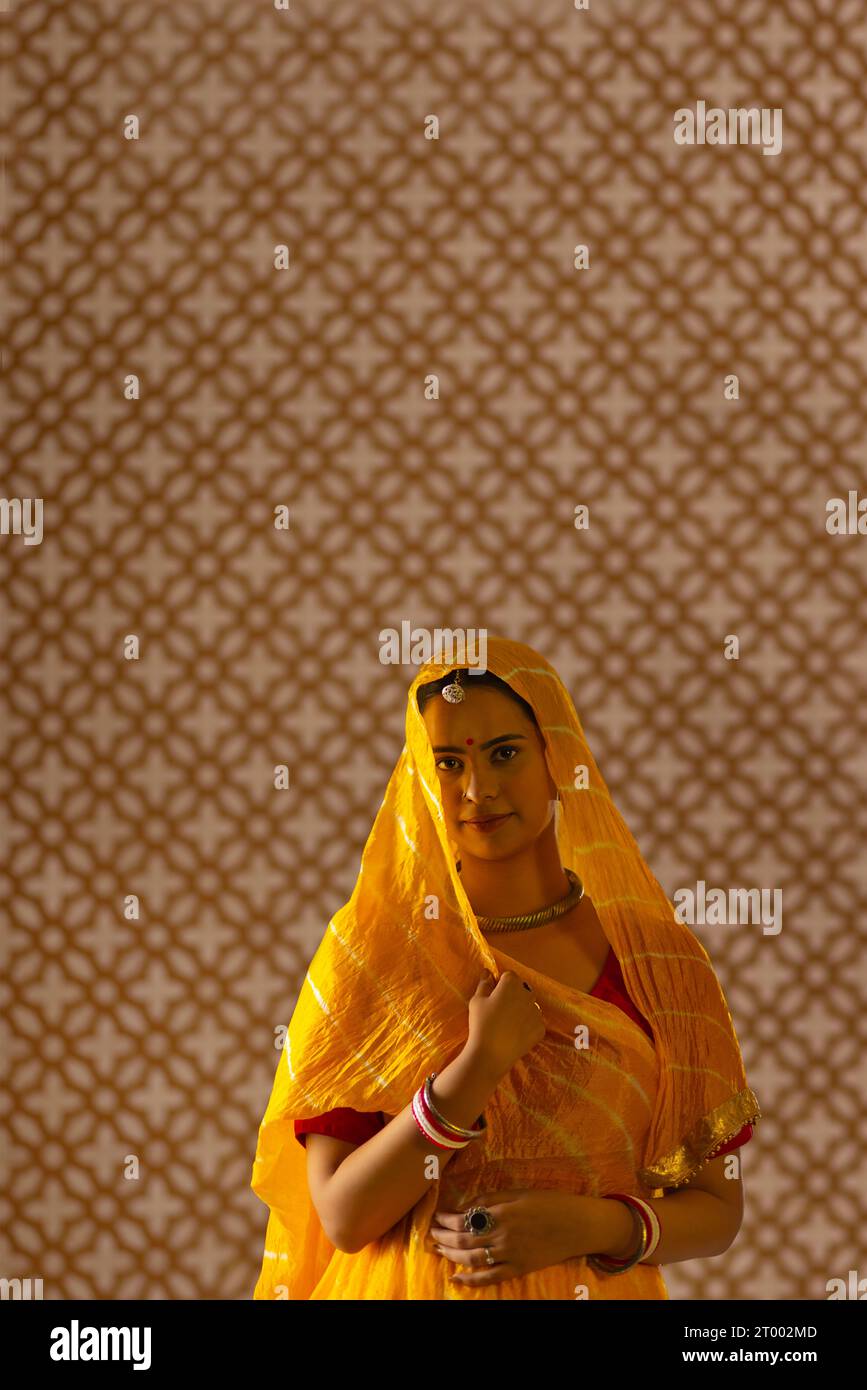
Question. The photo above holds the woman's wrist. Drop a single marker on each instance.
(481, 1065)
(615, 1228)
(463, 1087)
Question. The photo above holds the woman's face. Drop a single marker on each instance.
(490, 761)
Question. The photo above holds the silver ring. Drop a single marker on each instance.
(489, 1259)
(478, 1221)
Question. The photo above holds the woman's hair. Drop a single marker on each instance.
(424, 693)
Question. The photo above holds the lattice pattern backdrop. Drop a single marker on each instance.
(172, 379)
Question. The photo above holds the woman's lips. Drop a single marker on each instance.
(490, 823)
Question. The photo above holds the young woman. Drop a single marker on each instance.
(511, 1071)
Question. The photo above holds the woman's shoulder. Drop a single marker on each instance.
(354, 1126)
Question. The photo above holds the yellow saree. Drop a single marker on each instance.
(594, 1108)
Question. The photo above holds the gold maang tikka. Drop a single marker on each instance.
(454, 692)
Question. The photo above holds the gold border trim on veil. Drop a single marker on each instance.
(678, 1166)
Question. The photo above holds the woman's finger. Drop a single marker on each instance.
(448, 1221)
(472, 1259)
(462, 1240)
(493, 1274)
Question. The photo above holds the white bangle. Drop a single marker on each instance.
(655, 1228)
(427, 1129)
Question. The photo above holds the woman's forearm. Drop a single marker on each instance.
(382, 1179)
(695, 1225)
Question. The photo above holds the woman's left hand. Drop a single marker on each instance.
(533, 1228)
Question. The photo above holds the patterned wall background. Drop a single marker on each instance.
(172, 380)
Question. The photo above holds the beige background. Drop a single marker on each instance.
(305, 388)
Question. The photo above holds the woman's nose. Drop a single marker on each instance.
(479, 784)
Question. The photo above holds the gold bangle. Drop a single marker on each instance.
(607, 1263)
(454, 1130)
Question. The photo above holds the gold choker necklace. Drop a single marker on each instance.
(537, 919)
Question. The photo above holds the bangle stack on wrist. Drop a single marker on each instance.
(436, 1127)
(648, 1236)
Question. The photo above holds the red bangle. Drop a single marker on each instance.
(611, 1263)
(437, 1122)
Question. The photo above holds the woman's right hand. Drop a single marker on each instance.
(504, 1020)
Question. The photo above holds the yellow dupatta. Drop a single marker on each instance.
(385, 998)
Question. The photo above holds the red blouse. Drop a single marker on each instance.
(357, 1126)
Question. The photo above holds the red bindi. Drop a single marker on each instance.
(469, 740)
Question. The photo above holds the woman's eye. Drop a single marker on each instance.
(503, 748)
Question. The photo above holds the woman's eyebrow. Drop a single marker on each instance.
(501, 738)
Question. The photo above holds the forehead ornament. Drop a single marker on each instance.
(454, 692)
